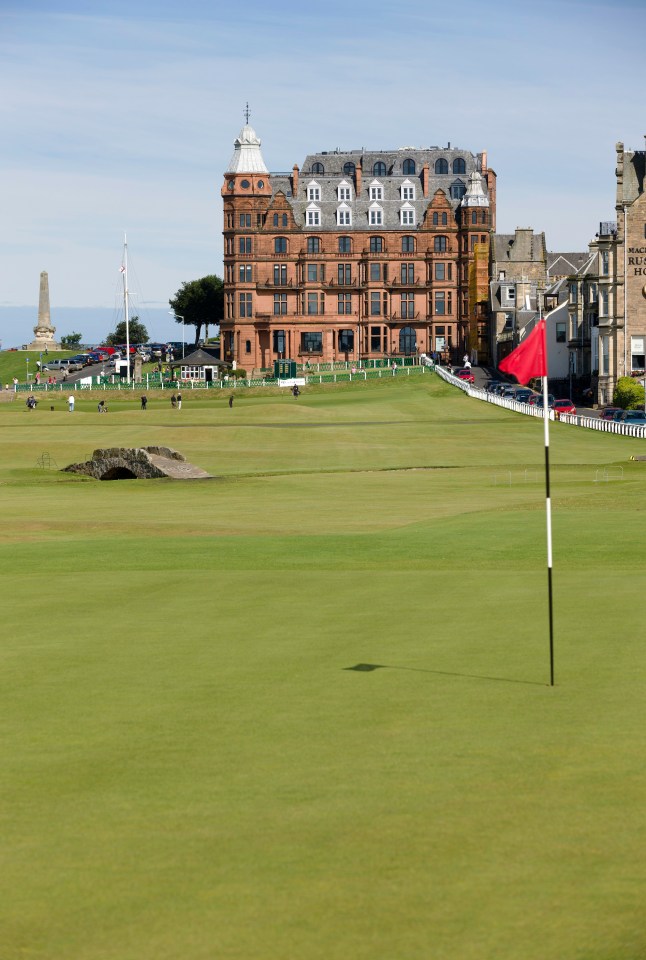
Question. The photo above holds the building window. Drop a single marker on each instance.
(318, 168)
(345, 245)
(312, 272)
(375, 339)
(344, 305)
(229, 306)
(313, 191)
(313, 245)
(459, 166)
(408, 191)
(483, 217)
(408, 244)
(376, 216)
(408, 273)
(441, 166)
(637, 353)
(280, 274)
(349, 169)
(561, 332)
(439, 244)
(344, 274)
(474, 216)
(275, 219)
(311, 342)
(313, 217)
(407, 216)
(603, 301)
(605, 355)
(375, 271)
(375, 304)
(573, 293)
(376, 191)
(313, 304)
(244, 305)
(284, 219)
(440, 271)
(407, 306)
(440, 303)
(458, 190)
(474, 240)
(605, 263)
(379, 169)
(511, 294)
(436, 219)
(279, 342)
(408, 167)
(344, 217)
(244, 244)
(407, 341)
(245, 273)
(344, 192)
(280, 244)
(376, 244)
(280, 304)
(346, 341)
(245, 220)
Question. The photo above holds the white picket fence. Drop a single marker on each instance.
(574, 419)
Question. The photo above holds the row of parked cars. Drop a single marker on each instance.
(636, 417)
(511, 391)
(106, 356)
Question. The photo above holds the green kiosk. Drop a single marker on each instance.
(284, 369)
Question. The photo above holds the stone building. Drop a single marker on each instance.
(356, 254)
(518, 267)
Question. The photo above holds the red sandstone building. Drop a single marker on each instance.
(356, 255)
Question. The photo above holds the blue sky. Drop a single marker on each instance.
(121, 117)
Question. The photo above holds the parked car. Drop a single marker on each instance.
(465, 373)
(609, 413)
(523, 394)
(563, 406)
(492, 385)
(635, 417)
(66, 365)
(508, 391)
(539, 400)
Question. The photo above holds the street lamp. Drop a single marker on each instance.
(178, 316)
(27, 362)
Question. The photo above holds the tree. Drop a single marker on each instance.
(138, 333)
(71, 340)
(629, 394)
(199, 303)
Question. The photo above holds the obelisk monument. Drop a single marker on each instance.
(44, 330)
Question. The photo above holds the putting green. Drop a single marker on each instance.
(301, 710)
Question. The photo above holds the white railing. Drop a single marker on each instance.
(529, 410)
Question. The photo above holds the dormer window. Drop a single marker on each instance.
(407, 190)
(458, 189)
(313, 191)
(344, 215)
(313, 216)
(375, 215)
(318, 168)
(344, 191)
(407, 215)
(376, 191)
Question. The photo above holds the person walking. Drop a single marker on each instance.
(173, 401)
(179, 400)
(70, 403)
(144, 402)
(230, 402)
(102, 408)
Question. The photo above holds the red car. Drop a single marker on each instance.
(563, 406)
(609, 413)
(465, 374)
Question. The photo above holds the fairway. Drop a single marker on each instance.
(301, 709)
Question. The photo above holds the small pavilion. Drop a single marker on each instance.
(199, 365)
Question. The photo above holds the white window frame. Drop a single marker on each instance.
(344, 216)
(511, 294)
(344, 191)
(313, 216)
(408, 190)
(376, 191)
(604, 302)
(376, 215)
(313, 190)
(407, 215)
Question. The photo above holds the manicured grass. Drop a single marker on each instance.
(192, 769)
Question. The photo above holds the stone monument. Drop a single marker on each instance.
(44, 330)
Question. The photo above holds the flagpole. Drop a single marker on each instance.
(548, 515)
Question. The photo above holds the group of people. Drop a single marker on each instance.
(176, 400)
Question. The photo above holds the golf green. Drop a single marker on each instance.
(301, 709)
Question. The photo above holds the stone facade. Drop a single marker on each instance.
(355, 255)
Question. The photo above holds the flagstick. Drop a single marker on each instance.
(548, 512)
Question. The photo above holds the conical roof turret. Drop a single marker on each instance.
(247, 157)
(475, 195)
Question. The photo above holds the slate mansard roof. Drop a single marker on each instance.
(332, 177)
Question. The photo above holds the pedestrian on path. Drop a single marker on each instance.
(179, 400)
(70, 403)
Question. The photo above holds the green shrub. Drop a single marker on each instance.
(629, 395)
(239, 374)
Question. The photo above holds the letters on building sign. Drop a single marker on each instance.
(637, 261)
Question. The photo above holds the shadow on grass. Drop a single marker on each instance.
(369, 667)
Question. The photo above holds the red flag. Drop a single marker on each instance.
(529, 359)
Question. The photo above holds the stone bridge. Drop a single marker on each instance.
(137, 463)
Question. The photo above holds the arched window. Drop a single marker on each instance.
(313, 245)
(445, 219)
(407, 341)
(345, 245)
(280, 245)
(439, 244)
(318, 168)
(284, 219)
(408, 167)
(349, 169)
(474, 216)
(275, 219)
(408, 244)
(459, 166)
(379, 169)
(441, 166)
(458, 190)
(436, 219)
(484, 216)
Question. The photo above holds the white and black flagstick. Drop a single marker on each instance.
(548, 513)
